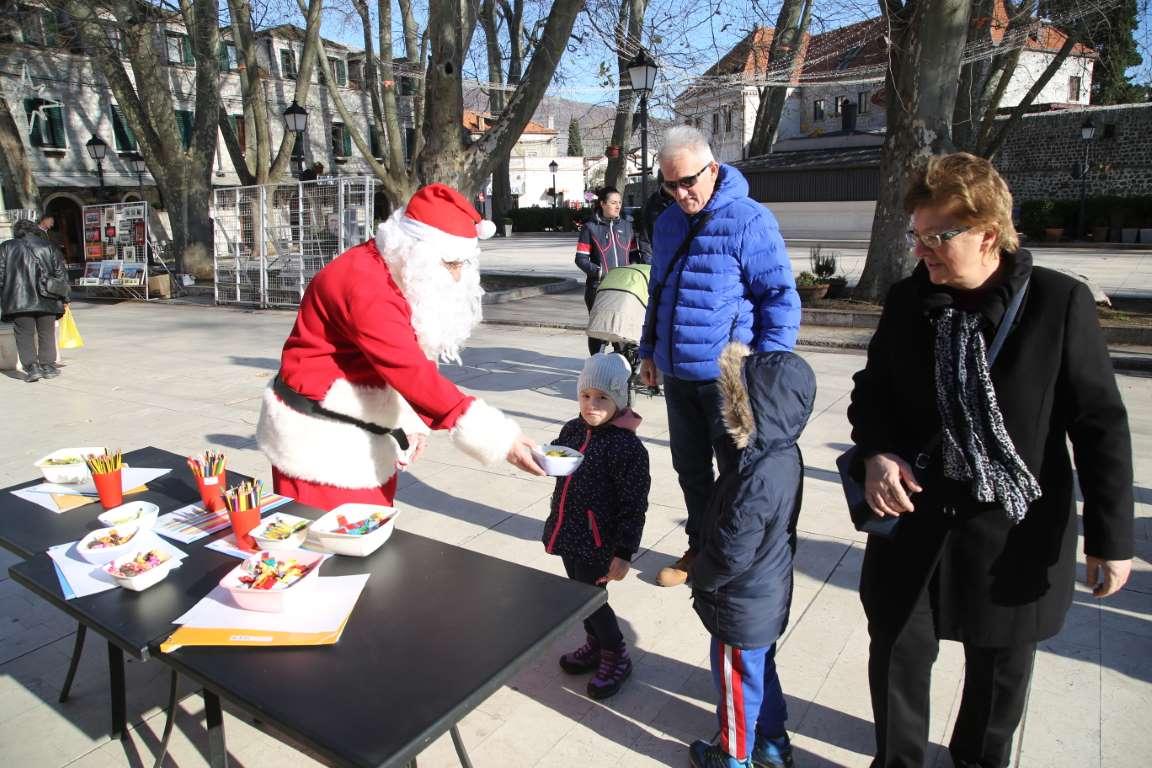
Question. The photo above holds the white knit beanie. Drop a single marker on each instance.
(610, 374)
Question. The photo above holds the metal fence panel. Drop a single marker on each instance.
(272, 239)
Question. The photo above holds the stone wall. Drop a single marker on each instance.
(1039, 155)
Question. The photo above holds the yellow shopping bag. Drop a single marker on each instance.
(70, 337)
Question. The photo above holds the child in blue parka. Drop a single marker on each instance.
(742, 578)
(598, 511)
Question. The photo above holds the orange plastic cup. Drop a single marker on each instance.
(212, 492)
(242, 525)
(110, 489)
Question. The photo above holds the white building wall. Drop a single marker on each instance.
(1032, 65)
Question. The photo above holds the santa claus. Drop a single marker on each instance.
(358, 388)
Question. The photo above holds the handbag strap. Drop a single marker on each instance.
(1002, 330)
(648, 337)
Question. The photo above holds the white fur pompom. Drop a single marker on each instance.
(485, 229)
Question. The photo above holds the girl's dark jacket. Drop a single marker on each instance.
(598, 511)
(742, 577)
(997, 584)
(27, 262)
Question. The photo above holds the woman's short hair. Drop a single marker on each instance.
(971, 189)
(603, 192)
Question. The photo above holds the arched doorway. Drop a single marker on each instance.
(69, 230)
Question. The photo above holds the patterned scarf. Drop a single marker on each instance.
(976, 446)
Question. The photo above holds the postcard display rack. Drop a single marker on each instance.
(116, 240)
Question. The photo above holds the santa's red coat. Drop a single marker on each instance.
(354, 350)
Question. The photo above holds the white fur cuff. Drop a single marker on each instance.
(485, 433)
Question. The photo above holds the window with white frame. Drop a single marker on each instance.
(339, 70)
(727, 119)
(287, 64)
(863, 102)
(818, 110)
(1074, 88)
(341, 141)
(179, 48)
(45, 124)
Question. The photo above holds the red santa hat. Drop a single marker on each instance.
(437, 213)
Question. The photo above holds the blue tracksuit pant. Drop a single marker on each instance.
(751, 700)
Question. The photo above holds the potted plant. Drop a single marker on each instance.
(824, 268)
(810, 288)
(507, 227)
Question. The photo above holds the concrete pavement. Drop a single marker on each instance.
(185, 378)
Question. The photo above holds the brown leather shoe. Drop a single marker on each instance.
(676, 574)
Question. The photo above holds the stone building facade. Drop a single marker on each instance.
(1039, 158)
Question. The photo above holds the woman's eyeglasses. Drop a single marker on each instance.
(934, 240)
(687, 182)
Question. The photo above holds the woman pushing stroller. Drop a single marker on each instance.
(606, 241)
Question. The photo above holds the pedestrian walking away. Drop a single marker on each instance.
(597, 514)
(34, 291)
(606, 241)
(720, 273)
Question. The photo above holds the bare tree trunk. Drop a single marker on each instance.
(443, 155)
(394, 159)
(791, 26)
(14, 161)
(996, 140)
(256, 118)
(501, 183)
(629, 25)
(927, 42)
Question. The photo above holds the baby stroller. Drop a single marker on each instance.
(617, 316)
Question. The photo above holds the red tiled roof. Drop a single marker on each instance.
(477, 122)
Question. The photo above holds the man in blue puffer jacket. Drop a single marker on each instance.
(734, 283)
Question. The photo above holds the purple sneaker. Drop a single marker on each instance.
(615, 666)
(584, 659)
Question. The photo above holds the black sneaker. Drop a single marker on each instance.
(33, 374)
(49, 371)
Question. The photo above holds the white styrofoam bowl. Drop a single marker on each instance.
(557, 466)
(322, 533)
(295, 541)
(141, 581)
(139, 513)
(102, 555)
(271, 600)
(72, 473)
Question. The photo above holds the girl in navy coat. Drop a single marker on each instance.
(742, 578)
(598, 511)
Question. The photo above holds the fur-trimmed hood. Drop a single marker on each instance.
(766, 397)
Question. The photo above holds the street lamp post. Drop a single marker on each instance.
(554, 166)
(97, 150)
(642, 72)
(1087, 132)
(296, 121)
(138, 165)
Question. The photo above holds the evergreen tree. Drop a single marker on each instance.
(1114, 41)
(575, 145)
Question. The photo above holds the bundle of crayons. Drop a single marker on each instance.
(104, 463)
(212, 465)
(247, 495)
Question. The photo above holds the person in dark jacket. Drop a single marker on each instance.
(733, 283)
(33, 291)
(742, 577)
(655, 205)
(598, 512)
(606, 241)
(985, 549)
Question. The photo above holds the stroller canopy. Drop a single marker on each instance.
(617, 314)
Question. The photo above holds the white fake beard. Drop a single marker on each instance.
(444, 310)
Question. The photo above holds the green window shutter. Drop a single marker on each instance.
(347, 143)
(51, 28)
(374, 141)
(184, 122)
(186, 46)
(222, 57)
(34, 130)
(341, 72)
(56, 128)
(122, 134)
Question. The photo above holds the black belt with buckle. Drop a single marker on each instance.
(310, 407)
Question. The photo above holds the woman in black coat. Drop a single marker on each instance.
(33, 291)
(985, 549)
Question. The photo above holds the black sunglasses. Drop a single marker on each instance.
(687, 182)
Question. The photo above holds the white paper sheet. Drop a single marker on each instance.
(39, 499)
(83, 578)
(130, 477)
(191, 523)
(322, 609)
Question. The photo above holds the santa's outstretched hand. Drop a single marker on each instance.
(521, 456)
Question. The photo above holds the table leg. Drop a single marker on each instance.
(169, 721)
(217, 748)
(117, 691)
(77, 650)
(460, 751)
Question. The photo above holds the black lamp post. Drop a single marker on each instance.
(1087, 133)
(642, 72)
(138, 165)
(554, 166)
(296, 121)
(97, 150)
